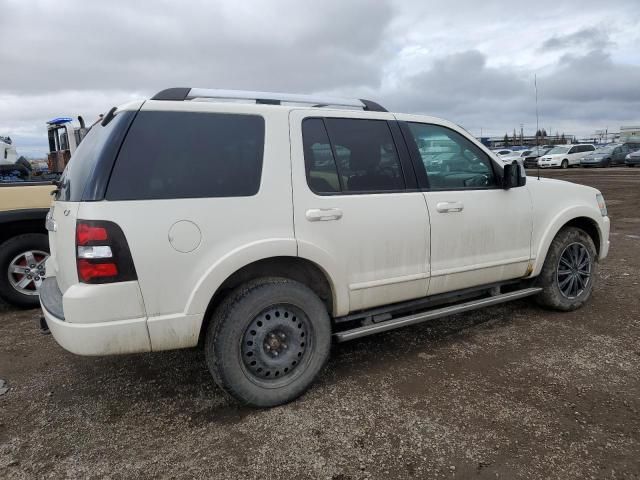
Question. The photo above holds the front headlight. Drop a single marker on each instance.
(601, 204)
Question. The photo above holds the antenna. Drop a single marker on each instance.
(535, 85)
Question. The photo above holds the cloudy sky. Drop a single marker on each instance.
(468, 61)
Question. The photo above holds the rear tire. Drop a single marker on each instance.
(569, 271)
(268, 341)
(12, 257)
(564, 164)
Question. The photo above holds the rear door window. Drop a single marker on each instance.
(321, 169)
(351, 155)
(189, 155)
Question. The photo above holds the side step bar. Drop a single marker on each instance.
(433, 314)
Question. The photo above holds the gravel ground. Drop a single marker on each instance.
(512, 391)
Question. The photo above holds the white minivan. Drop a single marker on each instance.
(564, 156)
(264, 229)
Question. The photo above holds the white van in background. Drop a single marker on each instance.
(564, 156)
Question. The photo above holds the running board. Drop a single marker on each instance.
(433, 314)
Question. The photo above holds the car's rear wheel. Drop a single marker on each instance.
(569, 271)
(22, 267)
(564, 164)
(268, 341)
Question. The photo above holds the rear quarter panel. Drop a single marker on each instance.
(233, 231)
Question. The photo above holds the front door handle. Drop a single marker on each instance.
(449, 207)
(323, 214)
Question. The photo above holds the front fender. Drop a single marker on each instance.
(541, 246)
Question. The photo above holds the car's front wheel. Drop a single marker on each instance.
(22, 268)
(564, 164)
(268, 341)
(569, 270)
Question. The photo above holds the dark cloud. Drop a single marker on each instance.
(114, 45)
(592, 38)
(451, 58)
(579, 90)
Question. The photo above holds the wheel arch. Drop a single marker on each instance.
(578, 217)
(292, 267)
(17, 223)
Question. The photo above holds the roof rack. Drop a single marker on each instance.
(268, 98)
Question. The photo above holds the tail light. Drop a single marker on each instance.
(102, 253)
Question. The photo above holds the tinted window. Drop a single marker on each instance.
(189, 155)
(322, 174)
(365, 155)
(450, 160)
(99, 146)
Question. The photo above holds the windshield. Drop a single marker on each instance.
(604, 149)
(558, 150)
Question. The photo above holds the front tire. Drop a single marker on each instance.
(22, 260)
(564, 164)
(268, 341)
(569, 271)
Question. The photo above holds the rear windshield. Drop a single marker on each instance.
(189, 155)
(98, 147)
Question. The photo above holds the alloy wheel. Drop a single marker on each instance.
(26, 271)
(573, 272)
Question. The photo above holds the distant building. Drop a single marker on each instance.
(628, 134)
(527, 141)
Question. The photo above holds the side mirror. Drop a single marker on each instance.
(512, 176)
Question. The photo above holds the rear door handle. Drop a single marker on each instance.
(449, 207)
(323, 214)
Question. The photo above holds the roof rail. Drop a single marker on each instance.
(268, 98)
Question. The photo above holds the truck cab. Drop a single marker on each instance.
(64, 138)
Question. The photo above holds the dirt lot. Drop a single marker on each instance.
(509, 392)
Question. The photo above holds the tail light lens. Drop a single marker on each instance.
(102, 253)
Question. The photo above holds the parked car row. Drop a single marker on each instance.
(565, 156)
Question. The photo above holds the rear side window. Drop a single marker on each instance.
(189, 155)
(98, 148)
(351, 156)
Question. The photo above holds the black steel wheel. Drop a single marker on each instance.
(274, 345)
(267, 341)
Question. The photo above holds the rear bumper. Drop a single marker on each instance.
(99, 338)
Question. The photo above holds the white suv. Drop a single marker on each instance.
(261, 230)
(565, 156)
